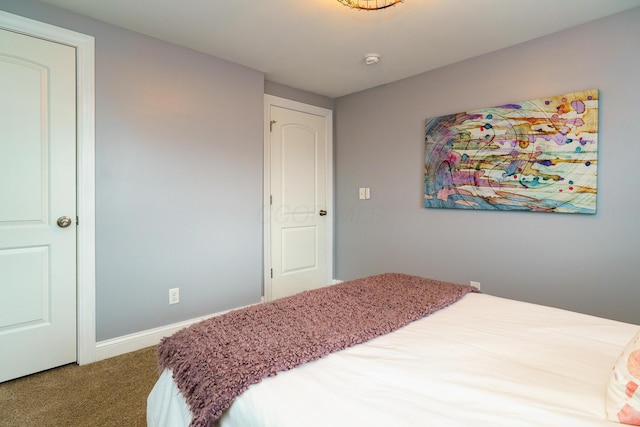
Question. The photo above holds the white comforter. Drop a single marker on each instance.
(483, 361)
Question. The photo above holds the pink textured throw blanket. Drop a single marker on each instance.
(214, 361)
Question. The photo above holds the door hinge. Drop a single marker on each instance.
(77, 221)
(271, 125)
(271, 200)
(272, 273)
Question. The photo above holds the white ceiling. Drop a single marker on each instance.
(319, 45)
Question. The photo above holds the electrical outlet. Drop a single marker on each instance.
(174, 296)
(475, 284)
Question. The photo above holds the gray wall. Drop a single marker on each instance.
(179, 143)
(287, 92)
(586, 263)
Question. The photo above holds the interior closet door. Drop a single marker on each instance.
(37, 205)
(299, 209)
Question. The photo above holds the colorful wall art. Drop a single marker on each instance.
(539, 155)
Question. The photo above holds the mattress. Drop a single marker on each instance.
(482, 361)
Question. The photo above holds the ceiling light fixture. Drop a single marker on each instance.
(370, 4)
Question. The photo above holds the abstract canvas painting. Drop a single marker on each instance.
(539, 155)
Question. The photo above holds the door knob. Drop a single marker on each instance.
(64, 222)
(323, 212)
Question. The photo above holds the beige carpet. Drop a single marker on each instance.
(111, 392)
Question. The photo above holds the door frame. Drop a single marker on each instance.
(85, 170)
(269, 101)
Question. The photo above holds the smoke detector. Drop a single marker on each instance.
(371, 58)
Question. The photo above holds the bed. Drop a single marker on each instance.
(480, 360)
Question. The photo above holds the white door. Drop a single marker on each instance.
(37, 188)
(300, 214)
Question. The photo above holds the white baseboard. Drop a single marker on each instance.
(336, 281)
(139, 340)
